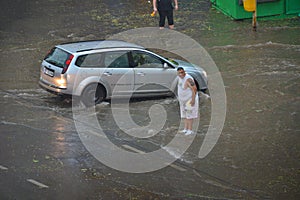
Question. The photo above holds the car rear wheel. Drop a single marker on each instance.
(93, 94)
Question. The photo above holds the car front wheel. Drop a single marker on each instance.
(93, 94)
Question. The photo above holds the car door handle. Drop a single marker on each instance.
(141, 73)
(107, 73)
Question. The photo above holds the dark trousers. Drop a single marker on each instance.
(163, 15)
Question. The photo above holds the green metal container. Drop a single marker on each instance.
(293, 7)
(265, 8)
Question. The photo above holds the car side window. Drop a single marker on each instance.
(116, 59)
(146, 60)
(90, 60)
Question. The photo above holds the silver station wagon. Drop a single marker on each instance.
(98, 70)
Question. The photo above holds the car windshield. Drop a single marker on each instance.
(173, 61)
(57, 57)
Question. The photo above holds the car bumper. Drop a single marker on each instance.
(52, 88)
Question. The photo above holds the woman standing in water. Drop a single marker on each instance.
(165, 9)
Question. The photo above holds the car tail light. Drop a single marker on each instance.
(61, 82)
(67, 63)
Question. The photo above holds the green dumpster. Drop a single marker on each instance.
(265, 8)
(293, 7)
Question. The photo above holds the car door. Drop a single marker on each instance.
(151, 75)
(118, 73)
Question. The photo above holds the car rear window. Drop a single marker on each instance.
(57, 57)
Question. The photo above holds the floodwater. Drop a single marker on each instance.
(256, 157)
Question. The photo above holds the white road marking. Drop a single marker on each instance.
(133, 149)
(41, 185)
(3, 168)
(195, 172)
(177, 167)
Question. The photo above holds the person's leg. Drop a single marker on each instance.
(189, 124)
(189, 127)
(170, 19)
(183, 116)
(193, 114)
(162, 19)
(186, 124)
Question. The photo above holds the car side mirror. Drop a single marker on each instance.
(166, 65)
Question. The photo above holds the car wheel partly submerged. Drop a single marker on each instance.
(92, 95)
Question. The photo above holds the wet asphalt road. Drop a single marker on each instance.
(256, 157)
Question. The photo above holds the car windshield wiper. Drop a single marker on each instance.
(53, 62)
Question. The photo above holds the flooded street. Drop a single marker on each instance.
(256, 157)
